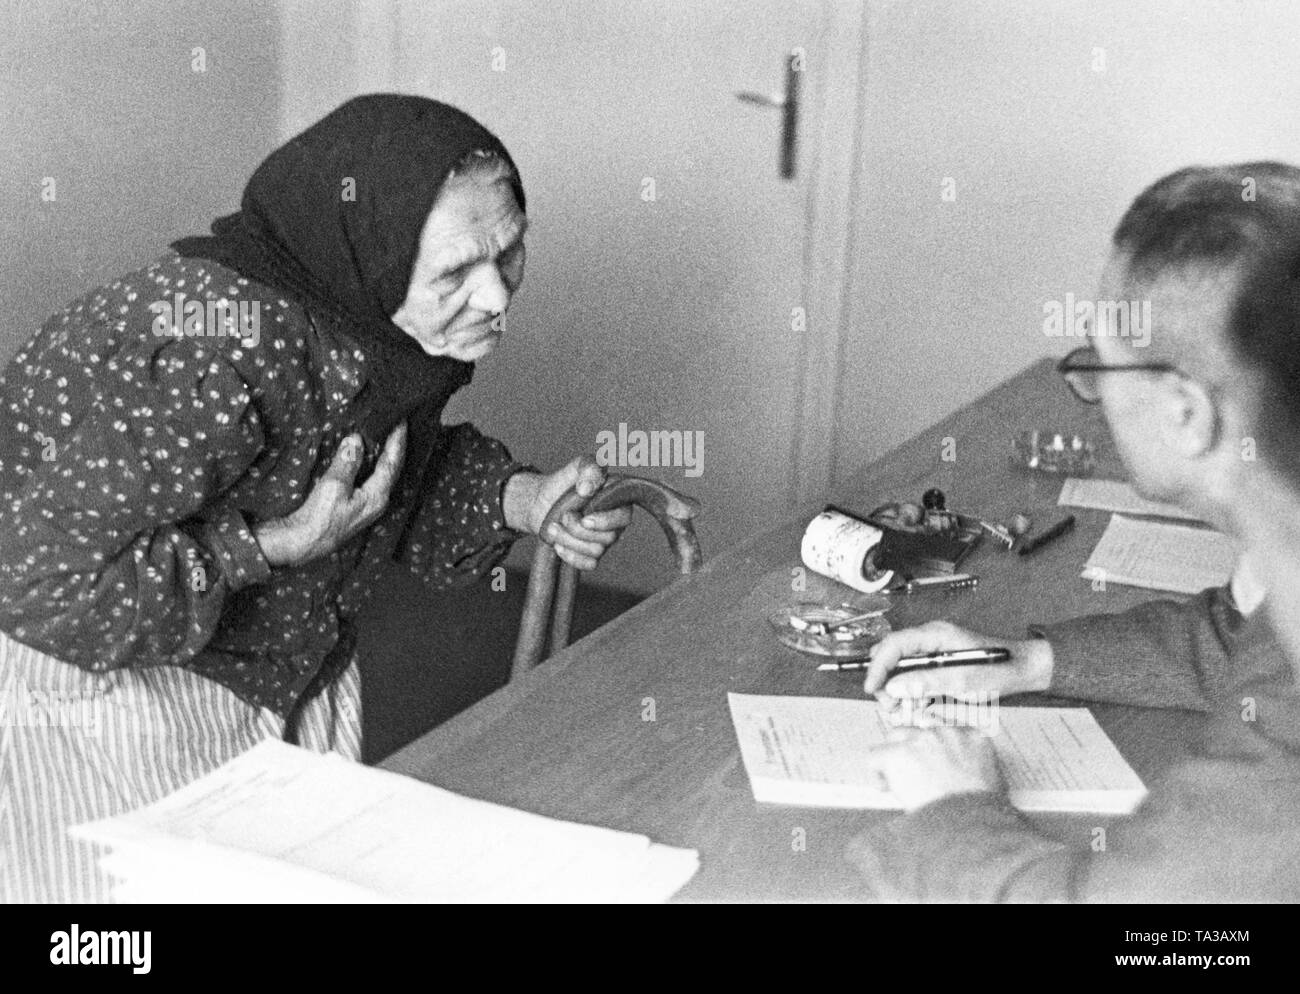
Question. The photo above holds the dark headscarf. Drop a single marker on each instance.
(299, 231)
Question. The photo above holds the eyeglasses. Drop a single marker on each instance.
(1081, 370)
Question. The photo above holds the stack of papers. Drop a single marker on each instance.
(814, 752)
(283, 824)
(1160, 556)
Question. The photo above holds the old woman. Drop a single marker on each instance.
(205, 463)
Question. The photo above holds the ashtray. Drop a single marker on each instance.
(1054, 452)
(811, 627)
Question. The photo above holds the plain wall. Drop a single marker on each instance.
(102, 97)
(1046, 154)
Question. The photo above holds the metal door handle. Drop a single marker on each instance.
(789, 107)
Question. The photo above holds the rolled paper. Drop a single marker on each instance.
(842, 548)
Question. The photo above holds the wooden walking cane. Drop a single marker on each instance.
(553, 584)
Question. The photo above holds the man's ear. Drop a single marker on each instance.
(1193, 421)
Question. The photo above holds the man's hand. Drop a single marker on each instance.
(335, 510)
(1030, 668)
(580, 542)
(920, 767)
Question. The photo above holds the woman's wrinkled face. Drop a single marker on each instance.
(470, 263)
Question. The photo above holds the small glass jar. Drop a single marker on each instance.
(1061, 453)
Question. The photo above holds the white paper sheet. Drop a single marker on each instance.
(1114, 495)
(812, 752)
(280, 823)
(1160, 556)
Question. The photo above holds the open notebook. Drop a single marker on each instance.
(810, 752)
(283, 824)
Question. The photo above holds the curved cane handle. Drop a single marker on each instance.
(671, 509)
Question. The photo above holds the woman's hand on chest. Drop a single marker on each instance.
(336, 510)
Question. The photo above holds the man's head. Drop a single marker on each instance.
(470, 262)
(1210, 248)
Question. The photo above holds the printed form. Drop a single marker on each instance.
(813, 752)
(1160, 556)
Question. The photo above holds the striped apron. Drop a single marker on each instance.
(76, 746)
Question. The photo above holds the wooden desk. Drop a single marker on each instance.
(570, 739)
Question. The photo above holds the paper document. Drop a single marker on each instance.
(1114, 495)
(812, 752)
(1160, 556)
(280, 823)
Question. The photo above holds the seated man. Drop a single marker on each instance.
(1215, 428)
